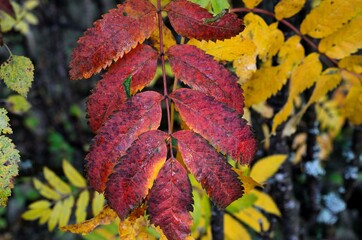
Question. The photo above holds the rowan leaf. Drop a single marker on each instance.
(288, 8)
(330, 116)
(209, 168)
(45, 190)
(234, 229)
(267, 167)
(353, 105)
(18, 74)
(81, 206)
(33, 214)
(138, 67)
(302, 78)
(220, 125)
(135, 172)
(73, 175)
(55, 215)
(251, 3)
(9, 158)
(6, 6)
(97, 203)
(326, 82)
(106, 216)
(345, 41)
(170, 201)
(54, 180)
(352, 63)
(201, 72)
(246, 201)
(4, 122)
(114, 35)
(66, 211)
(137, 115)
(167, 37)
(265, 202)
(40, 204)
(329, 16)
(254, 219)
(192, 21)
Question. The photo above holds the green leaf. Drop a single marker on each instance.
(9, 158)
(127, 86)
(242, 203)
(17, 104)
(18, 74)
(4, 122)
(219, 5)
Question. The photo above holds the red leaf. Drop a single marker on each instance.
(135, 172)
(116, 34)
(217, 123)
(171, 200)
(192, 21)
(201, 72)
(209, 168)
(109, 94)
(5, 6)
(136, 116)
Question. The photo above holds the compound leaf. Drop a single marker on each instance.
(45, 190)
(73, 175)
(81, 206)
(54, 180)
(345, 41)
(192, 21)
(66, 211)
(18, 74)
(114, 35)
(55, 215)
(140, 65)
(220, 125)
(9, 158)
(288, 8)
(329, 16)
(201, 72)
(170, 201)
(135, 172)
(209, 167)
(137, 115)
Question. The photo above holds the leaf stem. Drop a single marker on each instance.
(289, 25)
(162, 55)
(6, 46)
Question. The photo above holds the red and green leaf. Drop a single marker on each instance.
(222, 126)
(209, 167)
(170, 201)
(201, 72)
(192, 21)
(137, 115)
(135, 172)
(140, 64)
(114, 35)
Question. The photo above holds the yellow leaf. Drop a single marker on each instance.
(33, 214)
(267, 167)
(66, 211)
(45, 216)
(326, 82)
(225, 50)
(265, 202)
(329, 116)
(251, 3)
(329, 16)
(97, 203)
(134, 229)
(73, 175)
(276, 40)
(248, 182)
(40, 204)
(234, 230)
(168, 38)
(302, 78)
(352, 63)
(253, 218)
(351, 77)
(265, 82)
(288, 8)
(353, 105)
(291, 54)
(345, 41)
(263, 109)
(82, 203)
(45, 191)
(106, 216)
(55, 181)
(257, 31)
(54, 216)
